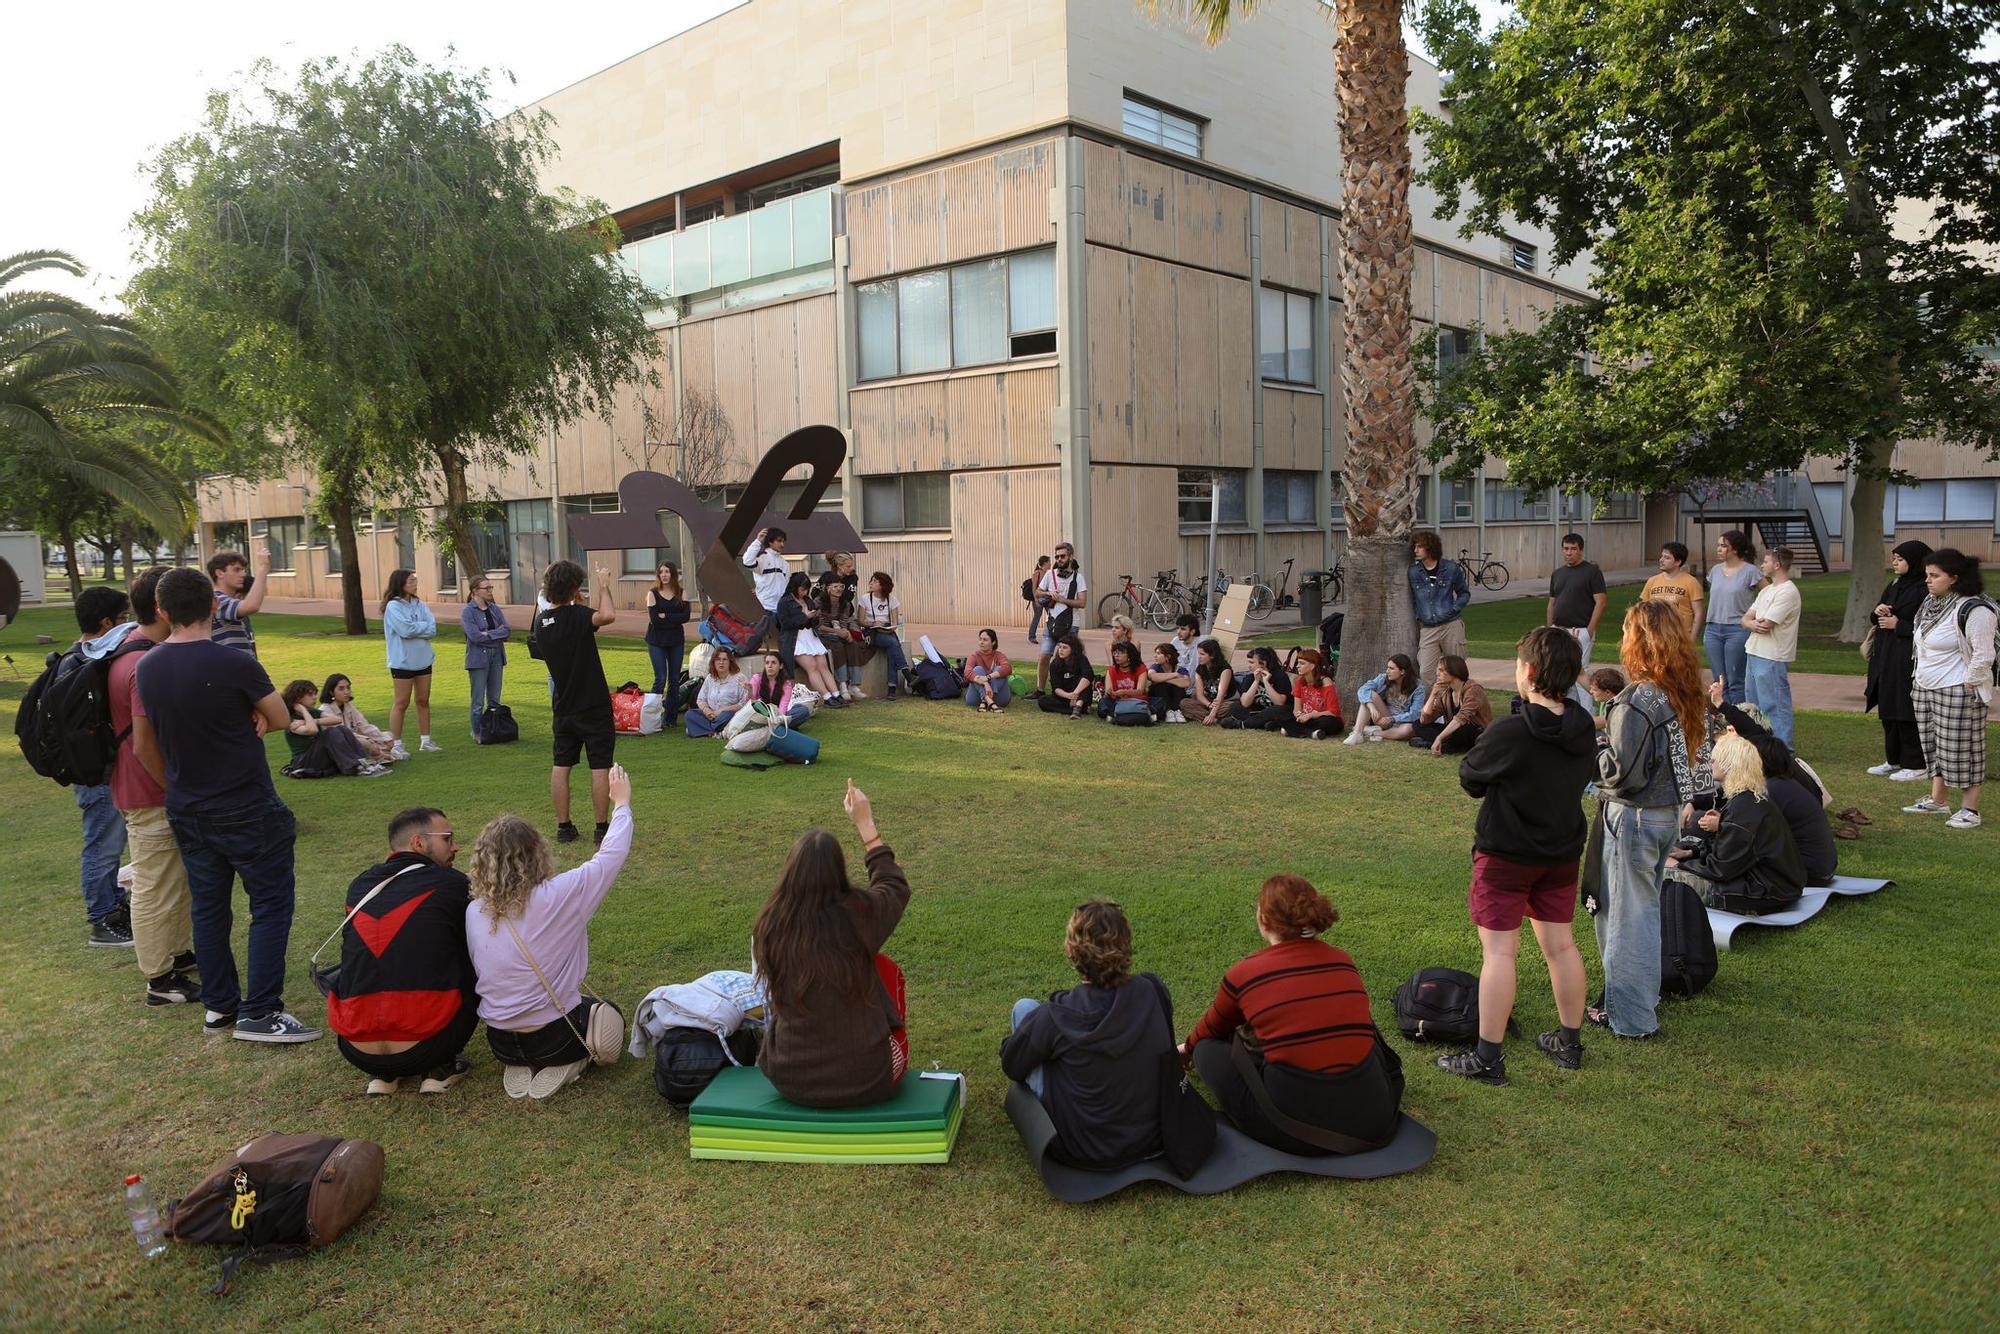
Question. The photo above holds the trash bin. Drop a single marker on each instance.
(1310, 610)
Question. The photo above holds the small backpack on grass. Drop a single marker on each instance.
(687, 1060)
(1439, 1005)
(1687, 942)
(278, 1197)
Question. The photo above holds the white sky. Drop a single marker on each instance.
(91, 93)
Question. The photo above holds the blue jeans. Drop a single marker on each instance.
(255, 844)
(699, 725)
(103, 845)
(1636, 839)
(485, 689)
(1003, 690)
(1770, 689)
(1036, 1080)
(887, 643)
(1035, 623)
(667, 674)
(1727, 645)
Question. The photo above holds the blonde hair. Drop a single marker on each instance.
(509, 860)
(1737, 765)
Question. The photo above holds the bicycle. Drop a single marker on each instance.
(1263, 601)
(1489, 573)
(1146, 606)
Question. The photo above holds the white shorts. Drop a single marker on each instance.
(808, 646)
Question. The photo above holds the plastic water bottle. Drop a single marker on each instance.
(145, 1219)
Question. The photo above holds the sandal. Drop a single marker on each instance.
(1847, 831)
(1854, 815)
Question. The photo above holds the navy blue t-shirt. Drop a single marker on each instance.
(201, 699)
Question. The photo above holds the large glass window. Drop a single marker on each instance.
(974, 314)
(283, 536)
(911, 502)
(979, 313)
(1455, 500)
(1156, 124)
(1507, 503)
(490, 546)
(1197, 496)
(1288, 497)
(1832, 498)
(1454, 347)
(1959, 500)
(923, 341)
(1968, 501)
(1285, 336)
(876, 305)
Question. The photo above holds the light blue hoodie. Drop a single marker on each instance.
(408, 626)
(107, 643)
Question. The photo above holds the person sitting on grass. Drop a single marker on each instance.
(1315, 700)
(1070, 681)
(407, 998)
(723, 691)
(1265, 705)
(1605, 684)
(1749, 863)
(1091, 1054)
(1166, 685)
(1187, 643)
(528, 932)
(322, 749)
(1529, 771)
(336, 705)
(986, 671)
(1124, 679)
(1456, 712)
(773, 687)
(1299, 1014)
(1390, 704)
(1214, 685)
(835, 1035)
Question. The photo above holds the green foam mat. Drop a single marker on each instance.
(746, 1098)
(857, 1155)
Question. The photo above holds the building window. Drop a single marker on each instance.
(1455, 347)
(1197, 496)
(1338, 490)
(1285, 336)
(229, 537)
(1619, 505)
(1506, 503)
(760, 195)
(1156, 124)
(282, 536)
(1957, 501)
(977, 314)
(1524, 255)
(1455, 500)
(323, 538)
(911, 502)
(1832, 498)
(1288, 497)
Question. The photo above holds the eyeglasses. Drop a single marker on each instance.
(445, 834)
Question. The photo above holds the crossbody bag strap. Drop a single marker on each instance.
(1318, 1136)
(365, 900)
(553, 998)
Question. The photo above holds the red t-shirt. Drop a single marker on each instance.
(1316, 699)
(132, 788)
(1116, 680)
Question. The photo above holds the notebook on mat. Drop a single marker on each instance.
(742, 1094)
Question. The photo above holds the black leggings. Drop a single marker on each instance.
(1329, 725)
(427, 1055)
(1458, 742)
(1902, 744)
(1266, 718)
(1164, 699)
(1364, 1102)
(1054, 703)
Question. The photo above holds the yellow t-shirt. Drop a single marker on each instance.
(1683, 590)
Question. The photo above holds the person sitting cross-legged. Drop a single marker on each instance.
(406, 1000)
(1315, 700)
(1124, 679)
(987, 673)
(1214, 685)
(1389, 705)
(723, 691)
(321, 748)
(1456, 712)
(1264, 705)
(1070, 681)
(1750, 862)
(773, 686)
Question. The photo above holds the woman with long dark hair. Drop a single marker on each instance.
(1214, 684)
(1389, 706)
(408, 628)
(835, 1036)
(799, 646)
(1891, 655)
(1264, 705)
(666, 636)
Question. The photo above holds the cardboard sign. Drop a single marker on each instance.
(1230, 614)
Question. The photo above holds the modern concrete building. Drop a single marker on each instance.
(1052, 266)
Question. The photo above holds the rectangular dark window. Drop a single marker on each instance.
(979, 314)
(1197, 496)
(1285, 336)
(1454, 347)
(1506, 503)
(911, 502)
(283, 536)
(1288, 497)
(1524, 256)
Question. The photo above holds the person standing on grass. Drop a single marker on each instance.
(1891, 658)
(230, 623)
(1952, 684)
(1679, 589)
(1732, 586)
(162, 927)
(407, 629)
(107, 637)
(1773, 623)
(1061, 591)
(1576, 595)
(1439, 594)
(667, 614)
(566, 634)
(1529, 771)
(766, 557)
(486, 635)
(200, 699)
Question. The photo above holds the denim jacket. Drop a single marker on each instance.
(1379, 685)
(1439, 595)
(484, 647)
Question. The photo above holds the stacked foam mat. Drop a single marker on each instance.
(740, 1117)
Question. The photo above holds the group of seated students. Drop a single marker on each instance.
(1289, 1032)
(329, 737)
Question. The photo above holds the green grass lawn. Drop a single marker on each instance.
(1811, 1145)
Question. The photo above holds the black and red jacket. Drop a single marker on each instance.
(404, 970)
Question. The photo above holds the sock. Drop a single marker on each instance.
(565, 824)
(1490, 1052)
(1572, 1037)
(424, 740)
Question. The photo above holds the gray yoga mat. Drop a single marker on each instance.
(1724, 925)
(1237, 1158)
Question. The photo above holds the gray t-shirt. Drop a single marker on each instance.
(1730, 595)
(1574, 589)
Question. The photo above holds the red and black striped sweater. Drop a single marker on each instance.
(1305, 1002)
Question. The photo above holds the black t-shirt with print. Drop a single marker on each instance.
(568, 641)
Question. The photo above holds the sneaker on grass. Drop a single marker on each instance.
(515, 1079)
(382, 1088)
(1908, 776)
(276, 1028)
(441, 1079)
(109, 934)
(1468, 1065)
(215, 1024)
(566, 832)
(1568, 1055)
(397, 752)
(550, 1078)
(1963, 820)
(1882, 770)
(173, 988)
(1925, 806)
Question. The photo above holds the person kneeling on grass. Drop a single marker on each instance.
(1315, 700)
(835, 1035)
(1091, 1054)
(1749, 863)
(406, 1000)
(1389, 704)
(1529, 771)
(527, 929)
(1295, 1016)
(322, 749)
(1456, 712)
(1070, 681)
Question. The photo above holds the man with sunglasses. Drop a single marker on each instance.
(404, 1003)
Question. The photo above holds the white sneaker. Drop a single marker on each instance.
(856, 692)
(1963, 820)
(431, 746)
(1925, 806)
(1908, 776)
(398, 753)
(515, 1080)
(1175, 716)
(1353, 738)
(1882, 770)
(552, 1077)
(382, 1088)
(373, 770)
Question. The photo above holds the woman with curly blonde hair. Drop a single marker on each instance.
(527, 930)
(1645, 775)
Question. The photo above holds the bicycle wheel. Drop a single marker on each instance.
(1113, 604)
(1262, 601)
(1159, 610)
(1333, 596)
(1494, 576)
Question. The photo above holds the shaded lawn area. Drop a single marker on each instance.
(1811, 1140)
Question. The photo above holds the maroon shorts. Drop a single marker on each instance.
(1504, 892)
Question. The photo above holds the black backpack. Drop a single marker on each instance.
(1687, 943)
(64, 725)
(685, 1060)
(937, 680)
(497, 725)
(1441, 1005)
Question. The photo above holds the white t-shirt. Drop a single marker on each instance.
(1945, 659)
(880, 611)
(1779, 604)
(1057, 586)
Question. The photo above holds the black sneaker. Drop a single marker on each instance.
(218, 1025)
(278, 1028)
(566, 833)
(1036, 694)
(172, 989)
(120, 917)
(1468, 1065)
(185, 965)
(597, 834)
(109, 934)
(441, 1079)
(1568, 1055)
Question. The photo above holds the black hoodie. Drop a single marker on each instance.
(1099, 1049)
(1530, 769)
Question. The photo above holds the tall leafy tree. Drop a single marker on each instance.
(1792, 208)
(362, 262)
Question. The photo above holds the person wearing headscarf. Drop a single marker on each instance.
(1889, 662)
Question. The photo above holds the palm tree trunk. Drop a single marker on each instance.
(1378, 383)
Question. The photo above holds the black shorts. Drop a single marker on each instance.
(576, 735)
(408, 673)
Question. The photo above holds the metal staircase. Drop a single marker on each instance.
(1781, 509)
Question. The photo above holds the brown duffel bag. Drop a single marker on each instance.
(279, 1196)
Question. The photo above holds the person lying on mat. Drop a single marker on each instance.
(1749, 863)
(527, 929)
(835, 1036)
(1295, 1015)
(1091, 1054)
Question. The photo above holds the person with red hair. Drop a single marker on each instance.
(1294, 1017)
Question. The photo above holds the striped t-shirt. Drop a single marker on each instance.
(1305, 1002)
(230, 627)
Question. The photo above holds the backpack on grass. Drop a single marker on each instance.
(1439, 1005)
(497, 726)
(938, 680)
(687, 1060)
(1687, 942)
(278, 1197)
(64, 726)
